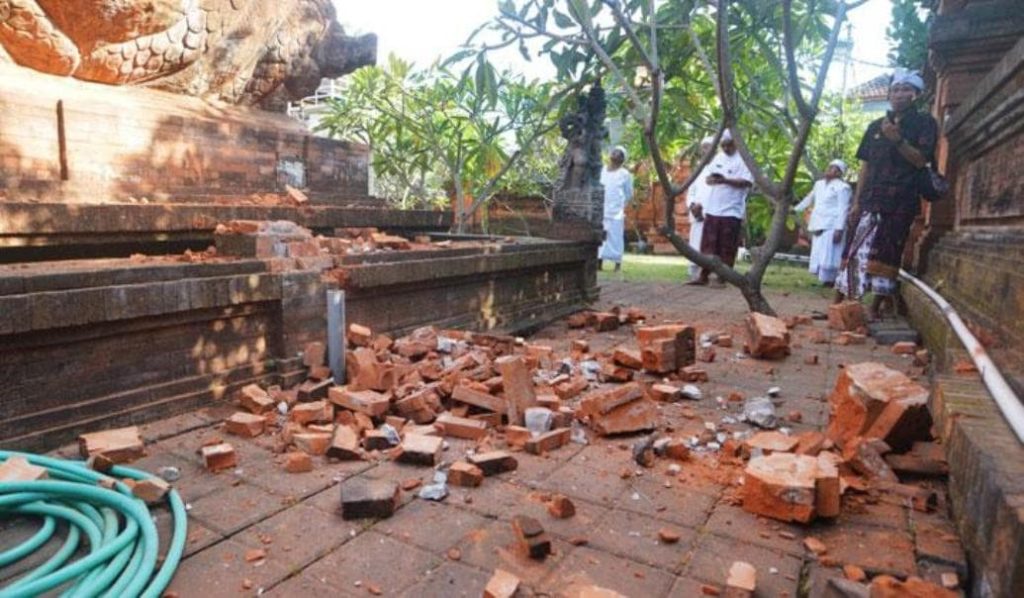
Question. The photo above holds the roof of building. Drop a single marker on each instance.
(873, 89)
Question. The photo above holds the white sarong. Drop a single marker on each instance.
(614, 241)
(826, 256)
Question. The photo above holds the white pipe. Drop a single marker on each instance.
(1007, 400)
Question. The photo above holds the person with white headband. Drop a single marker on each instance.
(696, 196)
(725, 206)
(618, 191)
(893, 152)
(830, 197)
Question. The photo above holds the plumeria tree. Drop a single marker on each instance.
(756, 67)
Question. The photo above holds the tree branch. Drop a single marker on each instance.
(789, 45)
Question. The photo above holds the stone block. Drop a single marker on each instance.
(363, 498)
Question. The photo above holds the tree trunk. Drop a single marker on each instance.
(751, 290)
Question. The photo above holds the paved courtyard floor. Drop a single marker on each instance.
(452, 548)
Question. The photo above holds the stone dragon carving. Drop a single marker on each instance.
(248, 52)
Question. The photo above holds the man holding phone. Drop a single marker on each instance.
(892, 153)
(725, 205)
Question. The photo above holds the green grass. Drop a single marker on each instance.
(670, 268)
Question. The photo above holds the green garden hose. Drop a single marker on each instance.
(122, 539)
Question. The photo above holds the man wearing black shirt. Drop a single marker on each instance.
(892, 153)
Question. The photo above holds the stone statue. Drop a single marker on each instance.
(584, 130)
(578, 194)
(248, 52)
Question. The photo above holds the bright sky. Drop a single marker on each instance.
(422, 30)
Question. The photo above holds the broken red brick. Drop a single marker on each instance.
(218, 457)
(605, 400)
(692, 373)
(316, 411)
(665, 392)
(313, 390)
(561, 507)
(742, 580)
(369, 402)
(461, 427)
(420, 450)
(298, 462)
(827, 486)
(846, 316)
(313, 443)
(666, 348)
(629, 358)
(668, 535)
(862, 456)
(362, 498)
(469, 396)
(677, 449)
(344, 444)
(313, 354)
(886, 586)
(578, 320)
(781, 486)
(613, 373)
(768, 336)
(18, 469)
(255, 399)
(501, 585)
(532, 539)
(494, 462)
(904, 348)
(518, 383)
(465, 474)
(150, 490)
(548, 441)
(809, 443)
(120, 445)
(580, 346)
(247, 425)
(874, 401)
(771, 442)
(605, 322)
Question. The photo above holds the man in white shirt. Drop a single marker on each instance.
(696, 195)
(725, 206)
(618, 191)
(831, 199)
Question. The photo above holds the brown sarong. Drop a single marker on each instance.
(721, 237)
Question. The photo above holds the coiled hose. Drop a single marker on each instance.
(122, 538)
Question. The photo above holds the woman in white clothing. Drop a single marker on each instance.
(618, 191)
(831, 199)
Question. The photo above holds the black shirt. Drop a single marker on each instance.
(891, 186)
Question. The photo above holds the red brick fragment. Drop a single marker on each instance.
(461, 427)
(781, 486)
(561, 507)
(531, 537)
(218, 457)
(298, 462)
(121, 445)
(846, 316)
(629, 358)
(768, 337)
(247, 425)
(255, 399)
(494, 462)
(465, 474)
(501, 585)
(18, 469)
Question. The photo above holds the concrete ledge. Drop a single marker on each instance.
(986, 461)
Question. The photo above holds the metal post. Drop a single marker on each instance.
(336, 334)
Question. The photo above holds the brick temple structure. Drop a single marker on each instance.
(970, 251)
(113, 186)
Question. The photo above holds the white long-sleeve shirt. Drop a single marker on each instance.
(618, 190)
(831, 201)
